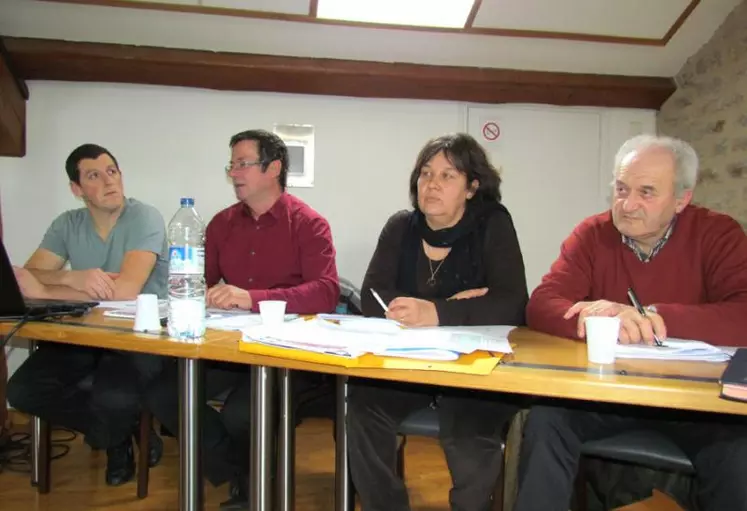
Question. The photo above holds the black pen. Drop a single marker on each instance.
(634, 300)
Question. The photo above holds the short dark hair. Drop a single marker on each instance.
(270, 147)
(468, 157)
(84, 152)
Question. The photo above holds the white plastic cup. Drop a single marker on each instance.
(602, 333)
(272, 312)
(147, 317)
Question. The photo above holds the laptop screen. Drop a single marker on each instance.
(11, 299)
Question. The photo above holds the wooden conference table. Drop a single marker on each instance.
(541, 365)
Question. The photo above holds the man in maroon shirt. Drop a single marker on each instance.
(688, 265)
(268, 246)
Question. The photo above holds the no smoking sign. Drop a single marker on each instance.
(491, 131)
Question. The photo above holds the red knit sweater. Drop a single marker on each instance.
(697, 281)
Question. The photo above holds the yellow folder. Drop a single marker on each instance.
(478, 362)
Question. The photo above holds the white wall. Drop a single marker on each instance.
(556, 168)
(172, 142)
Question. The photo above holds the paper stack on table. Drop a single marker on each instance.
(353, 336)
(674, 349)
(236, 321)
(126, 309)
(217, 319)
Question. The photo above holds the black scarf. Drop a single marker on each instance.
(463, 267)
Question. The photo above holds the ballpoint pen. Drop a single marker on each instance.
(634, 300)
(378, 299)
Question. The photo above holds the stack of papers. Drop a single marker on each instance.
(353, 336)
(217, 319)
(126, 309)
(674, 349)
(236, 321)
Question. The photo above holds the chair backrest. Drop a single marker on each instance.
(318, 398)
(350, 298)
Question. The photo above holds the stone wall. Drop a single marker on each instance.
(709, 110)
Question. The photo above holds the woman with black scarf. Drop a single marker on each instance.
(453, 260)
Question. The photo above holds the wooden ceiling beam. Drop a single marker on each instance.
(13, 96)
(44, 59)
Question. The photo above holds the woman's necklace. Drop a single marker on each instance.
(432, 279)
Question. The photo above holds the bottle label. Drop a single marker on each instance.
(186, 260)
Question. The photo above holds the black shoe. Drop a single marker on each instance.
(155, 447)
(120, 464)
(238, 495)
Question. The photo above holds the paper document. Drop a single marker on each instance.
(116, 305)
(126, 310)
(353, 336)
(233, 321)
(674, 349)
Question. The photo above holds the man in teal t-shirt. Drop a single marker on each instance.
(116, 249)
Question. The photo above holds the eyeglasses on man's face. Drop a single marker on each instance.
(242, 165)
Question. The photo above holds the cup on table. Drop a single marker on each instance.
(272, 312)
(147, 318)
(602, 333)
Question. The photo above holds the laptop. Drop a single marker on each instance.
(14, 306)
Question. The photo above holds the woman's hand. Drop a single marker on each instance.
(413, 312)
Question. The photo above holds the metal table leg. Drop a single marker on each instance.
(35, 437)
(344, 494)
(286, 444)
(191, 399)
(36, 440)
(262, 440)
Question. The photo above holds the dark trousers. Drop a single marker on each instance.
(225, 434)
(225, 440)
(48, 385)
(553, 437)
(470, 424)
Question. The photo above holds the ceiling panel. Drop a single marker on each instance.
(279, 6)
(626, 18)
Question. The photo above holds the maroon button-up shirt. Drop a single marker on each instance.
(285, 254)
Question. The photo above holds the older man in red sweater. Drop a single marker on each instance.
(688, 266)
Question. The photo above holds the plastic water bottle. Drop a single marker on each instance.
(186, 234)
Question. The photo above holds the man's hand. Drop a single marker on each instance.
(30, 285)
(634, 328)
(95, 282)
(413, 312)
(637, 329)
(597, 308)
(469, 293)
(223, 296)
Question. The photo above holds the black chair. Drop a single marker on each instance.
(642, 447)
(350, 297)
(425, 423)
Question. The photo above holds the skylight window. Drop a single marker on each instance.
(427, 13)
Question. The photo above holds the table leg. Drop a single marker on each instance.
(262, 440)
(344, 494)
(286, 444)
(191, 400)
(35, 436)
(35, 450)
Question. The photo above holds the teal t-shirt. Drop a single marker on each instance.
(73, 237)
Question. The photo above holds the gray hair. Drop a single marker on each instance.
(685, 158)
